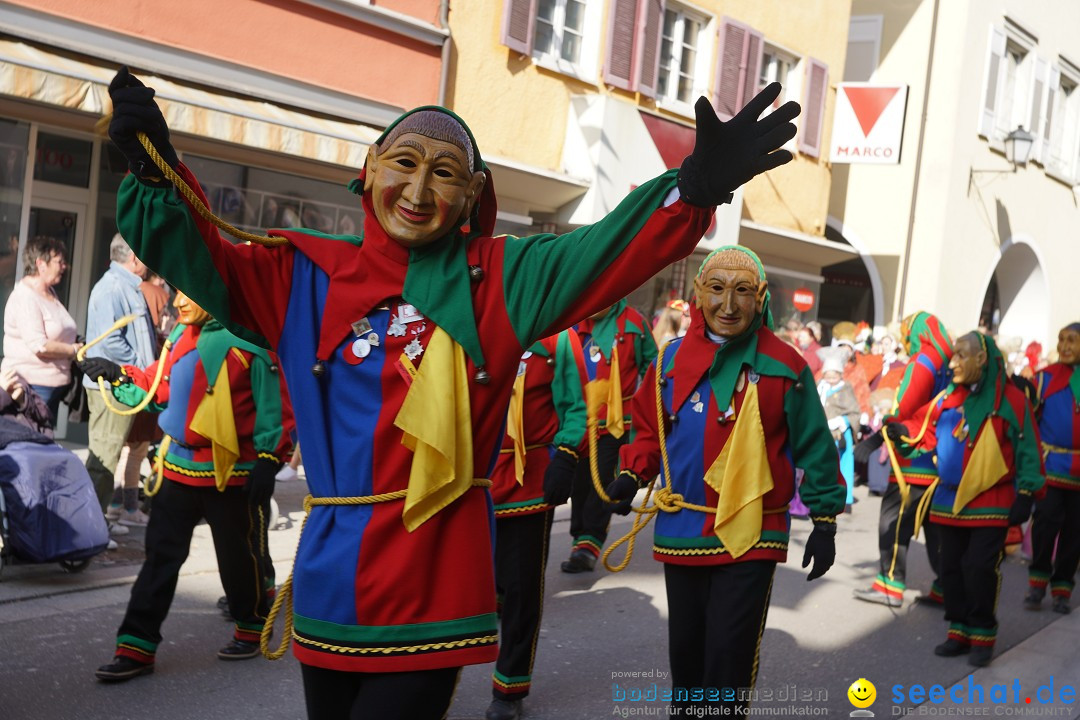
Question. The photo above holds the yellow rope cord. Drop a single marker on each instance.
(594, 462)
(199, 206)
(284, 596)
(1048, 448)
(159, 466)
(905, 490)
(106, 396)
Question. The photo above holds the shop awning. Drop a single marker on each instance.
(791, 249)
(526, 190)
(30, 72)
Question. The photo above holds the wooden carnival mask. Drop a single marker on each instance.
(1068, 345)
(969, 360)
(730, 292)
(191, 313)
(421, 178)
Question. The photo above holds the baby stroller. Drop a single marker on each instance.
(49, 511)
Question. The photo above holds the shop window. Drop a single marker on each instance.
(62, 160)
(14, 141)
(255, 200)
(682, 45)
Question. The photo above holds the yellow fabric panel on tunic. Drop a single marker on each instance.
(437, 426)
(741, 476)
(599, 393)
(985, 468)
(214, 420)
(515, 427)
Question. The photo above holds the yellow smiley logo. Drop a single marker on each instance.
(862, 693)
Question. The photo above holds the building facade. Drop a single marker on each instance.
(575, 102)
(273, 105)
(954, 227)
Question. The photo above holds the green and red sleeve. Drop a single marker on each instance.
(272, 434)
(1027, 448)
(551, 282)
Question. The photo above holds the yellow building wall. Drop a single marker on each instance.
(519, 111)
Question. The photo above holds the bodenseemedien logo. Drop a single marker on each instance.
(862, 694)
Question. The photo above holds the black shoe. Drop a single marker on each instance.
(952, 648)
(1033, 599)
(123, 668)
(873, 596)
(981, 655)
(238, 650)
(503, 710)
(1061, 605)
(580, 561)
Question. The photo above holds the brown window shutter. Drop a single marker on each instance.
(650, 19)
(519, 19)
(730, 68)
(755, 44)
(622, 28)
(817, 83)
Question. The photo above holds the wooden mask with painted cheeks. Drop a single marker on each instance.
(421, 178)
(969, 360)
(730, 292)
(191, 313)
(1068, 344)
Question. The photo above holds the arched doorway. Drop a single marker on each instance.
(1017, 300)
(852, 289)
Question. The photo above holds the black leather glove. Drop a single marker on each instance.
(896, 431)
(260, 483)
(728, 154)
(559, 477)
(134, 110)
(97, 367)
(1021, 509)
(622, 491)
(866, 448)
(821, 547)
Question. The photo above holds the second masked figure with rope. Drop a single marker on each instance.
(227, 424)
(725, 415)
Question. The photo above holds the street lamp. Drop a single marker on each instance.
(1018, 146)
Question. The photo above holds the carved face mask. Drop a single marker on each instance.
(421, 179)
(1068, 345)
(730, 292)
(968, 361)
(191, 313)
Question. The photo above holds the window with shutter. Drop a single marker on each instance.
(992, 82)
(817, 84)
(684, 57)
(517, 28)
(754, 51)
(622, 24)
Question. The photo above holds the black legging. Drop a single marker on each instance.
(339, 695)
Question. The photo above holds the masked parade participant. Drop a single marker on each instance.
(911, 480)
(545, 432)
(400, 350)
(986, 446)
(738, 413)
(1056, 522)
(227, 431)
(618, 349)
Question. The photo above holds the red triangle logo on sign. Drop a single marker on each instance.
(868, 104)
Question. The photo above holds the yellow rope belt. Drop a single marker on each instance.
(284, 597)
(528, 448)
(1048, 448)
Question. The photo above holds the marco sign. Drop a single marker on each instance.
(868, 125)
